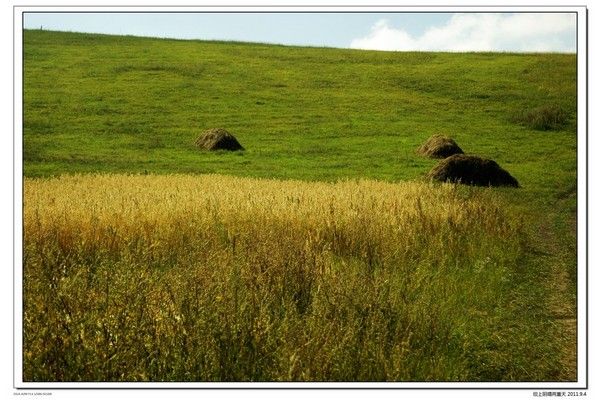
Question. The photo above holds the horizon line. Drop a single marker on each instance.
(237, 41)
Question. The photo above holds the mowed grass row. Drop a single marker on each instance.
(214, 278)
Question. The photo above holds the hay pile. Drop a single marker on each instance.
(472, 170)
(439, 146)
(218, 139)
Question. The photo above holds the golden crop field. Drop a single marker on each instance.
(215, 278)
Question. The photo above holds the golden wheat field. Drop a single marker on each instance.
(214, 278)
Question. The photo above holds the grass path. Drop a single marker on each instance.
(562, 302)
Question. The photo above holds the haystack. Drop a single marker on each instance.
(472, 170)
(218, 139)
(439, 146)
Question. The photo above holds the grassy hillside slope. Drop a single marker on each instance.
(97, 103)
(108, 103)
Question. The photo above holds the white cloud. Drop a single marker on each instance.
(479, 32)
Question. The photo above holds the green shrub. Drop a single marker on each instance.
(544, 118)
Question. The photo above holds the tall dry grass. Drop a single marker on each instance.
(213, 278)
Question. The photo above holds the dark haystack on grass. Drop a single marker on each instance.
(439, 146)
(218, 139)
(472, 170)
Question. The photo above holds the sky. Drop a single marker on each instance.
(515, 32)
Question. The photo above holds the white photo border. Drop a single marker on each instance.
(582, 198)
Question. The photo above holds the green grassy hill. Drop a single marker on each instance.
(111, 103)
